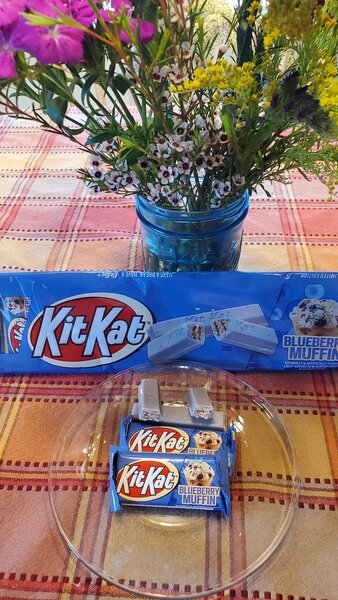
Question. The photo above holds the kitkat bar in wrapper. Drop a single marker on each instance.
(169, 481)
(157, 437)
(13, 318)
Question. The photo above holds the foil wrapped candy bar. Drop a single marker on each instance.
(149, 404)
(199, 403)
(249, 312)
(176, 342)
(169, 481)
(245, 335)
(176, 439)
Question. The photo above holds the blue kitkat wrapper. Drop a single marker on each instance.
(149, 436)
(169, 480)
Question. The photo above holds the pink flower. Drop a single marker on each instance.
(79, 10)
(146, 30)
(59, 44)
(17, 36)
(9, 11)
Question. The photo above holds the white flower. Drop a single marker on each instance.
(201, 126)
(218, 160)
(130, 181)
(176, 143)
(154, 151)
(167, 174)
(186, 50)
(159, 74)
(188, 146)
(200, 122)
(215, 203)
(199, 162)
(122, 165)
(238, 180)
(184, 165)
(93, 188)
(161, 24)
(218, 122)
(156, 74)
(221, 188)
(109, 145)
(176, 74)
(161, 143)
(144, 163)
(113, 178)
(95, 160)
(164, 71)
(113, 187)
(181, 127)
(166, 99)
(222, 137)
(97, 173)
(166, 190)
(175, 198)
(154, 192)
(209, 162)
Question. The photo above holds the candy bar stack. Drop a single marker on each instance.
(173, 456)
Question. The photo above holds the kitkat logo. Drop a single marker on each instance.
(159, 439)
(143, 480)
(89, 330)
(15, 332)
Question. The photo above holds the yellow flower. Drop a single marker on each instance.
(291, 18)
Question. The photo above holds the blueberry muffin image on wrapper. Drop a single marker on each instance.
(199, 473)
(315, 317)
(207, 440)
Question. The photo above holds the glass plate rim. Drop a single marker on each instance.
(268, 552)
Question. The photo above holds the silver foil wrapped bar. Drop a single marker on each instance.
(245, 335)
(176, 343)
(250, 312)
(149, 403)
(199, 403)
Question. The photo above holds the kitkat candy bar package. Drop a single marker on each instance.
(105, 322)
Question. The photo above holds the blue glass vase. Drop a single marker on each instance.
(174, 240)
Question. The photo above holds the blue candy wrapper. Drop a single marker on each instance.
(148, 437)
(106, 322)
(169, 481)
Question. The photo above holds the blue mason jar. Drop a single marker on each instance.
(174, 240)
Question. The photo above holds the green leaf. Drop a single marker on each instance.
(121, 83)
(56, 109)
(87, 86)
(229, 125)
(163, 45)
(101, 137)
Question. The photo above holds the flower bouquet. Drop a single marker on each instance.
(187, 118)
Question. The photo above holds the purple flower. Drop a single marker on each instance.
(79, 10)
(146, 28)
(9, 11)
(17, 36)
(59, 44)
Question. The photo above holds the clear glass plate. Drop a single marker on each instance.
(174, 553)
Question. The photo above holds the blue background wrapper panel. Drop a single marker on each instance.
(132, 470)
(140, 299)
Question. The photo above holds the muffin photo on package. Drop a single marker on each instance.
(13, 319)
(199, 473)
(207, 440)
(315, 317)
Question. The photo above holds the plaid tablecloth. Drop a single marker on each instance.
(48, 222)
